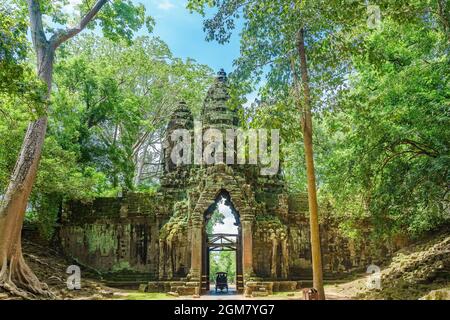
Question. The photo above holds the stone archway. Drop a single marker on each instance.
(241, 197)
(228, 242)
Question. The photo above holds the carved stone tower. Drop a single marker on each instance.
(197, 188)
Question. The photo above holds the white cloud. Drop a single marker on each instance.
(228, 221)
(165, 5)
(70, 7)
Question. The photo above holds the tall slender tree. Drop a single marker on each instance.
(328, 32)
(310, 172)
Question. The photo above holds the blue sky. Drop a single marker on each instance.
(184, 34)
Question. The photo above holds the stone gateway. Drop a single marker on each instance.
(160, 239)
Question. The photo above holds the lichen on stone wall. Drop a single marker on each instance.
(270, 227)
(101, 237)
(172, 242)
(177, 223)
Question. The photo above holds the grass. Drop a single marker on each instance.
(133, 295)
(286, 294)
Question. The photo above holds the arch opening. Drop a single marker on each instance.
(222, 246)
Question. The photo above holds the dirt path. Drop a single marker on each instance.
(346, 290)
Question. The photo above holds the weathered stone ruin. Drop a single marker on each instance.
(160, 239)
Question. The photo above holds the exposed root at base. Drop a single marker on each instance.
(18, 280)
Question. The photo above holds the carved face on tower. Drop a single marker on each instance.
(181, 119)
(216, 112)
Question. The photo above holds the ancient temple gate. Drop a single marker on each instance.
(200, 186)
(160, 239)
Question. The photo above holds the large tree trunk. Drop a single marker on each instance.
(15, 276)
(310, 174)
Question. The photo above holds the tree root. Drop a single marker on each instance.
(18, 280)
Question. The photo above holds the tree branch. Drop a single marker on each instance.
(36, 26)
(63, 35)
(423, 149)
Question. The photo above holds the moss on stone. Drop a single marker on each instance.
(102, 238)
(177, 224)
(121, 266)
(268, 227)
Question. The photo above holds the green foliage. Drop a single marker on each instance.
(222, 261)
(147, 189)
(217, 217)
(44, 213)
(111, 96)
(390, 133)
(380, 98)
(117, 19)
(108, 98)
(13, 121)
(22, 99)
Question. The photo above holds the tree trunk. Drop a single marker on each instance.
(309, 157)
(15, 275)
(140, 160)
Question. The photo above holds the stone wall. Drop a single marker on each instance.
(286, 236)
(139, 233)
(115, 235)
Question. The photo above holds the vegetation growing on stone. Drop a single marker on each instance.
(270, 227)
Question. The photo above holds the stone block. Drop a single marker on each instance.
(256, 294)
(186, 291)
(154, 287)
(173, 294)
(143, 287)
(193, 284)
